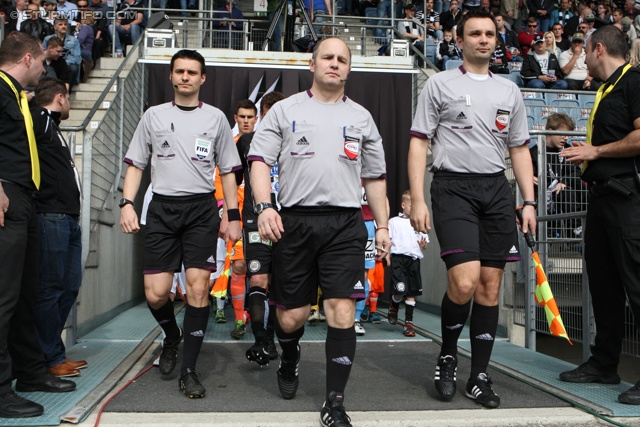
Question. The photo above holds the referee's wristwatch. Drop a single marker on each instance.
(260, 207)
(123, 202)
(530, 203)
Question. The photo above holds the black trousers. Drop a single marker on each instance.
(612, 254)
(20, 353)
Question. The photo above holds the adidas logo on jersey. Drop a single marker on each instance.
(344, 360)
(513, 250)
(461, 116)
(197, 333)
(166, 145)
(211, 259)
(358, 286)
(302, 141)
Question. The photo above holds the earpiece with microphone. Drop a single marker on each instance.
(343, 80)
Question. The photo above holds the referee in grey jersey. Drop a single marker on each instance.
(470, 118)
(324, 144)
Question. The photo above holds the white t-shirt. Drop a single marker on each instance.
(543, 60)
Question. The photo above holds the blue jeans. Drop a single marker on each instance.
(276, 41)
(183, 6)
(384, 11)
(543, 24)
(133, 32)
(539, 84)
(60, 275)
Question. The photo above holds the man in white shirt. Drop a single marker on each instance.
(573, 65)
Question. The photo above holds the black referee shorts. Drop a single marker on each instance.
(320, 246)
(181, 229)
(474, 218)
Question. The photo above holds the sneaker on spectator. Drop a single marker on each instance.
(333, 413)
(169, 355)
(364, 316)
(408, 330)
(359, 329)
(479, 389)
(375, 318)
(445, 376)
(239, 330)
(288, 377)
(392, 316)
(220, 317)
(190, 385)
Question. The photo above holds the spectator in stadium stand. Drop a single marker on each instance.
(512, 11)
(573, 64)
(508, 37)
(588, 26)
(571, 26)
(71, 47)
(541, 69)
(50, 10)
(450, 18)
(550, 41)
(526, 36)
(603, 13)
(562, 14)
(54, 64)
(562, 42)
(16, 15)
(634, 57)
(628, 29)
(35, 25)
(541, 9)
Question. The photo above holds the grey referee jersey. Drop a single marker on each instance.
(470, 122)
(184, 147)
(322, 150)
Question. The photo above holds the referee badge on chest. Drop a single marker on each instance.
(502, 119)
(352, 138)
(202, 149)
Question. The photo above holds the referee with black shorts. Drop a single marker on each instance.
(324, 144)
(185, 140)
(611, 166)
(470, 118)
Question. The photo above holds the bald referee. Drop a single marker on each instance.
(324, 144)
(184, 140)
(470, 118)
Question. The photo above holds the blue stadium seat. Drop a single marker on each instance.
(431, 53)
(586, 99)
(530, 121)
(553, 96)
(534, 106)
(513, 77)
(559, 102)
(533, 95)
(581, 124)
(453, 63)
(573, 139)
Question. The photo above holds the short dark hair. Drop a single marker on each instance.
(16, 45)
(246, 104)
(474, 14)
(60, 18)
(47, 90)
(269, 100)
(612, 38)
(555, 120)
(189, 54)
(54, 42)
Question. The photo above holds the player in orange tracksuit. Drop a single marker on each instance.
(246, 116)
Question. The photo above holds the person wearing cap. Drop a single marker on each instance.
(50, 9)
(411, 29)
(609, 166)
(628, 29)
(541, 69)
(572, 62)
(588, 25)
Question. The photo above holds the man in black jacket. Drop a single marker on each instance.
(54, 64)
(58, 210)
(541, 69)
(36, 26)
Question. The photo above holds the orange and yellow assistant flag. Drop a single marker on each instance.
(545, 298)
(221, 284)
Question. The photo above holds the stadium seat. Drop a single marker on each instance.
(431, 53)
(513, 77)
(553, 96)
(581, 124)
(531, 121)
(586, 100)
(453, 63)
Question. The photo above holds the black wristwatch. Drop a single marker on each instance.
(123, 202)
(530, 203)
(260, 207)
